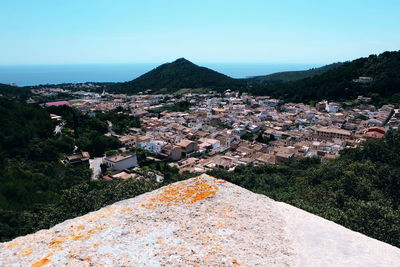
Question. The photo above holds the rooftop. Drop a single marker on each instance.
(117, 158)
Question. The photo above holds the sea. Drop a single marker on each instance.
(24, 75)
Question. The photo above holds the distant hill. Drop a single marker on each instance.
(338, 83)
(176, 75)
(289, 76)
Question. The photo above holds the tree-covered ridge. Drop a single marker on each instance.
(176, 75)
(31, 174)
(289, 76)
(14, 91)
(360, 190)
(19, 124)
(338, 83)
(86, 132)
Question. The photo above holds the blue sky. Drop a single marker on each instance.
(252, 31)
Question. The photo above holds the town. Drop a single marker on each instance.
(230, 129)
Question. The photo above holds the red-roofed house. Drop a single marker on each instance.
(57, 103)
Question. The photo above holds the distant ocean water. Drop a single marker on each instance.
(54, 74)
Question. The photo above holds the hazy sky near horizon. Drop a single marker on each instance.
(258, 31)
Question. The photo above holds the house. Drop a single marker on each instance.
(121, 162)
(320, 106)
(263, 158)
(174, 152)
(79, 158)
(210, 142)
(123, 175)
(187, 146)
(375, 133)
(331, 133)
(153, 147)
(56, 103)
(128, 140)
(332, 107)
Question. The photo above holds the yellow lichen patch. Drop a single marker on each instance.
(84, 235)
(126, 209)
(25, 252)
(42, 262)
(12, 245)
(96, 229)
(56, 244)
(107, 212)
(186, 192)
(80, 227)
(80, 237)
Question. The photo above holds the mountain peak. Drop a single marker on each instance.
(178, 74)
(201, 221)
(182, 60)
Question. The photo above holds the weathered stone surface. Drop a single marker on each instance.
(202, 221)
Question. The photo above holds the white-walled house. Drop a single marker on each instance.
(121, 162)
(332, 107)
(153, 147)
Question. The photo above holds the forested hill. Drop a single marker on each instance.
(176, 75)
(338, 83)
(289, 76)
(14, 91)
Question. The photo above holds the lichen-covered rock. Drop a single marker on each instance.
(202, 221)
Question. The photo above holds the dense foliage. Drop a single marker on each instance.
(87, 132)
(360, 190)
(289, 76)
(120, 120)
(337, 83)
(14, 91)
(30, 171)
(176, 75)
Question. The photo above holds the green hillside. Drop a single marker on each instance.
(14, 91)
(338, 83)
(289, 76)
(176, 75)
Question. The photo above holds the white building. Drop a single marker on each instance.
(121, 162)
(153, 147)
(332, 107)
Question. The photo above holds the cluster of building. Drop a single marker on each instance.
(232, 129)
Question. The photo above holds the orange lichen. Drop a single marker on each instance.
(87, 259)
(80, 227)
(96, 245)
(96, 229)
(220, 181)
(235, 263)
(126, 209)
(25, 252)
(80, 237)
(42, 262)
(12, 245)
(55, 244)
(186, 192)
